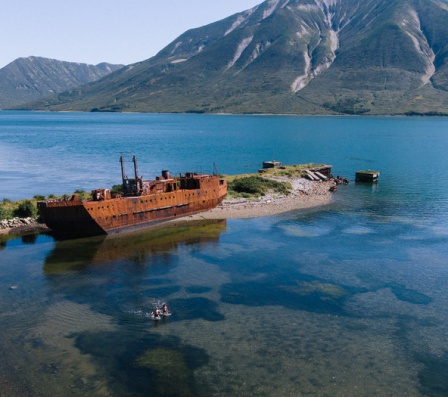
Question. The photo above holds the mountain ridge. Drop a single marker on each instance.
(291, 57)
(32, 78)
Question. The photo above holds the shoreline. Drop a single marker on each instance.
(22, 226)
(305, 194)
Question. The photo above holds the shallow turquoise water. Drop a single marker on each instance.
(345, 300)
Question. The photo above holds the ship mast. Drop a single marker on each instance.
(134, 159)
(131, 186)
(138, 179)
(123, 174)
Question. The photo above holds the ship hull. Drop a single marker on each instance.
(75, 218)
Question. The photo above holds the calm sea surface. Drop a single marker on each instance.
(349, 299)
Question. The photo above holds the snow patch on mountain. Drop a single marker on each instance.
(324, 5)
(259, 49)
(241, 18)
(272, 6)
(331, 43)
(176, 46)
(303, 80)
(327, 3)
(334, 43)
(240, 49)
(412, 27)
(304, 31)
(285, 3)
(307, 7)
(180, 60)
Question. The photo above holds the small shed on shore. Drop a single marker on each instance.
(324, 170)
(272, 164)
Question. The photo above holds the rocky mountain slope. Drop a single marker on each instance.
(290, 56)
(28, 79)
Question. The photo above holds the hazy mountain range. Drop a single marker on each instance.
(289, 56)
(28, 79)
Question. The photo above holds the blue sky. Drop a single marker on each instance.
(94, 31)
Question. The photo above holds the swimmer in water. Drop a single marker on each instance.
(157, 313)
(165, 309)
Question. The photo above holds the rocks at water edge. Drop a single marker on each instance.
(17, 222)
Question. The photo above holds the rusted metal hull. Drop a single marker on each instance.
(75, 218)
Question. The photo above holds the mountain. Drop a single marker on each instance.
(290, 56)
(28, 79)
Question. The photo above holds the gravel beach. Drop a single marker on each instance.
(305, 194)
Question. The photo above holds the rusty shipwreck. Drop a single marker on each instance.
(144, 202)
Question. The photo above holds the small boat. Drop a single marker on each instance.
(144, 202)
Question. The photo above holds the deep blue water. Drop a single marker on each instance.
(348, 299)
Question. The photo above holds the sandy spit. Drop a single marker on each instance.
(306, 194)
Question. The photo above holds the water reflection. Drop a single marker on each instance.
(127, 276)
(28, 238)
(69, 255)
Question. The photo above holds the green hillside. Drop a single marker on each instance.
(32, 78)
(372, 57)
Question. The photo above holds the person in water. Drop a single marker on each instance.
(157, 312)
(165, 309)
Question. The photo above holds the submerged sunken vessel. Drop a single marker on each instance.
(144, 202)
